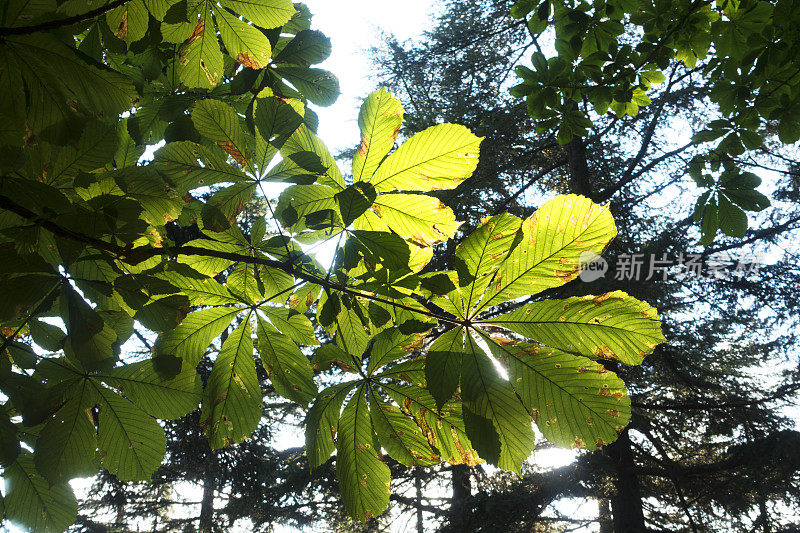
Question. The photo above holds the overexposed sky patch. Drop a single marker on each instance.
(355, 26)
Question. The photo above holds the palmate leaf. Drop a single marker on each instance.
(288, 369)
(33, 502)
(244, 42)
(192, 337)
(379, 120)
(363, 477)
(439, 157)
(611, 326)
(131, 442)
(550, 250)
(575, 401)
(232, 401)
(480, 254)
(584, 405)
(496, 422)
(377, 416)
(67, 444)
(422, 219)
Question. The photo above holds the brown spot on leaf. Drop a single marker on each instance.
(363, 148)
(233, 151)
(604, 352)
(122, 27)
(247, 61)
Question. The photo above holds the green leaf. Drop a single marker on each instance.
(131, 443)
(129, 21)
(291, 323)
(379, 119)
(443, 365)
(223, 208)
(390, 345)
(232, 402)
(549, 253)
(218, 122)
(192, 165)
(307, 48)
(48, 336)
(201, 290)
(379, 248)
(323, 421)
(33, 502)
(199, 61)
(439, 157)
(318, 85)
(710, 221)
(496, 422)
(424, 220)
(354, 201)
(164, 398)
(194, 335)
(575, 401)
(363, 477)
(479, 255)
(9, 440)
(747, 199)
(209, 266)
(444, 428)
(287, 368)
(732, 220)
(163, 314)
(97, 146)
(399, 435)
(244, 42)
(304, 140)
(263, 13)
(611, 326)
(67, 444)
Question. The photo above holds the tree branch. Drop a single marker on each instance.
(60, 23)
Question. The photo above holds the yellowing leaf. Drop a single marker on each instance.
(555, 240)
(440, 157)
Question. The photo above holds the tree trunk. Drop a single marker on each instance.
(626, 502)
(207, 503)
(579, 182)
(604, 517)
(462, 490)
(418, 502)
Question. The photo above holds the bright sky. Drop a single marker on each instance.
(354, 26)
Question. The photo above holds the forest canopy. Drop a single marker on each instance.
(163, 185)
